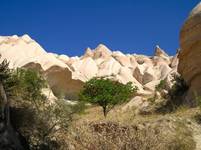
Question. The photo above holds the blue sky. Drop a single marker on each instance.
(69, 26)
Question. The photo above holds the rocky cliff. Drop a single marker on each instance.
(66, 75)
(190, 56)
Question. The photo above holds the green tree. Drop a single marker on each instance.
(4, 77)
(106, 93)
(38, 118)
(30, 83)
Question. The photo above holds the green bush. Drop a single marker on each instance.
(38, 119)
(33, 115)
(106, 93)
(175, 95)
(160, 86)
(179, 87)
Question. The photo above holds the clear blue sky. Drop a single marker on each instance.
(69, 26)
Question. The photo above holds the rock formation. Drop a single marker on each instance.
(25, 52)
(66, 75)
(190, 55)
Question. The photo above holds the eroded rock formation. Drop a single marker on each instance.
(190, 54)
(66, 75)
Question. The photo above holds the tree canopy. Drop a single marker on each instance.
(106, 93)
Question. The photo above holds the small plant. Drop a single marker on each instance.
(160, 86)
(106, 93)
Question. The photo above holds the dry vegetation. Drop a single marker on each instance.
(124, 131)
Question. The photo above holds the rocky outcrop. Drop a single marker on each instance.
(25, 52)
(66, 75)
(189, 55)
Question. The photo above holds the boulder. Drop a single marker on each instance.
(136, 102)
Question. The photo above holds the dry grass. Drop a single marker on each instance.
(126, 131)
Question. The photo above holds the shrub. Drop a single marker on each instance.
(179, 87)
(34, 116)
(160, 86)
(175, 95)
(106, 93)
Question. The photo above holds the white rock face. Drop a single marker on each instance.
(25, 52)
(66, 75)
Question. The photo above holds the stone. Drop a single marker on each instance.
(87, 67)
(138, 73)
(136, 102)
(122, 59)
(31, 55)
(88, 53)
(189, 55)
(109, 67)
(148, 76)
(159, 52)
(63, 58)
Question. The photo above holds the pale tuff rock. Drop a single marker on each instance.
(122, 59)
(25, 52)
(189, 55)
(161, 56)
(133, 61)
(66, 75)
(174, 61)
(159, 52)
(138, 73)
(133, 103)
(125, 75)
(87, 67)
(102, 52)
(165, 70)
(151, 85)
(109, 67)
(63, 58)
(148, 76)
(88, 53)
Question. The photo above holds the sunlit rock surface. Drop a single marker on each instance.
(66, 75)
(190, 54)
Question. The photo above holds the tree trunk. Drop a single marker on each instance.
(5, 112)
(105, 111)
